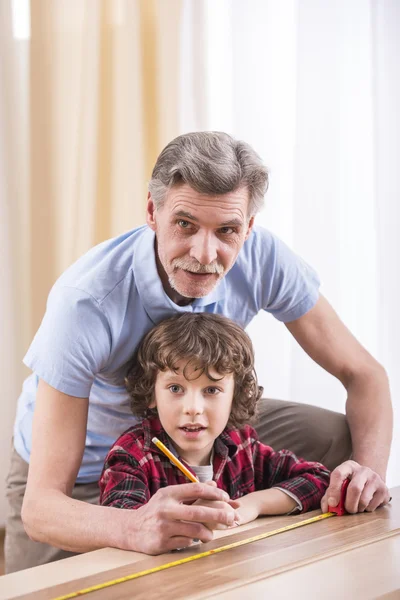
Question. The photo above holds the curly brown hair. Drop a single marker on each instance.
(207, 341)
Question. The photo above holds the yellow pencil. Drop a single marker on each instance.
(175, 460)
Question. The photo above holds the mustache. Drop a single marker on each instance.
(196, 267)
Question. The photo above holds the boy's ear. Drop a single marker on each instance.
(152, 403)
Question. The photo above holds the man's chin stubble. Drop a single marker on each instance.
(191, 294)
(199, 293)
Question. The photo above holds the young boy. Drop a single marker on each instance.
(193, 383)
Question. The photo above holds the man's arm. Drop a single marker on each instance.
(327, 340)
(51, 516)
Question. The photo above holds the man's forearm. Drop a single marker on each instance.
(73, 525)
(167, 521)
(370, 417)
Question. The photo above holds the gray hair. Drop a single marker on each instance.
(211, 162)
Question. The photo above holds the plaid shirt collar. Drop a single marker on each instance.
(224, 447)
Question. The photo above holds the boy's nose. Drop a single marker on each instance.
(194, 405)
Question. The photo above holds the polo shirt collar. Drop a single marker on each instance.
(157, 304)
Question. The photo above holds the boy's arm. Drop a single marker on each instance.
(263, 502)
(284, 484)
(303, 480)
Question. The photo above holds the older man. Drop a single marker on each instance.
(200, 251)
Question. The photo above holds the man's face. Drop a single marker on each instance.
(198, 238)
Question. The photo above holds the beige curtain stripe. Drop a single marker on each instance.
(149, 42)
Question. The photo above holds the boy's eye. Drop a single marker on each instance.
(175, 389)
(212, 390)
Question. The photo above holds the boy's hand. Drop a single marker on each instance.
(228, 507)
(247, 510)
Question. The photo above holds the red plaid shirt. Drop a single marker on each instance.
(135, 468)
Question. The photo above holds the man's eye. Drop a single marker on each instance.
(175, 389)
(184, 224)
(227, 230)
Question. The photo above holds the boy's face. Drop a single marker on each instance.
(193, 412)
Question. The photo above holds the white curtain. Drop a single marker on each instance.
(314, 87)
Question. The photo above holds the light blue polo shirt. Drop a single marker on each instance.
(101, 307)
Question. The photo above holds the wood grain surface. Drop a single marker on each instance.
(354, 556)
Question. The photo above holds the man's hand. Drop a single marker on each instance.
(366, 492)
(166, 522)
(228, 507)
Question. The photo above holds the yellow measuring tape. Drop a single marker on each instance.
(182, 561)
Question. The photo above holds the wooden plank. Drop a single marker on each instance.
(370, 571)
(259, 561)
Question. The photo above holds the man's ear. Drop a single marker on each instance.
(151, 213)
(249, 228)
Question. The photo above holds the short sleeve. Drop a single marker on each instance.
(73, 342)
(291, 285)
